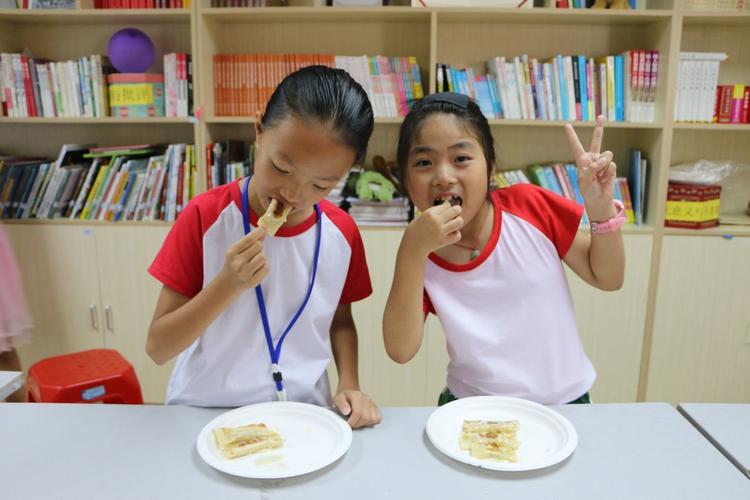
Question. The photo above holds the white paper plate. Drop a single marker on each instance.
(545, 436)
(313, 438)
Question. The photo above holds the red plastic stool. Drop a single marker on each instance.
(98, 375)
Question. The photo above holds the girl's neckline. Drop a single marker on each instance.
(486, 250)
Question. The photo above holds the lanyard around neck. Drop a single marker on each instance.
(275, 351)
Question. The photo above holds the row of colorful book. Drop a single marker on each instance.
(228, 161)
(562, 179)
(243, 83)
(140, 182)
(732, 104)
(142, 4)
(622, 87)
(88, 87)
(37, 87)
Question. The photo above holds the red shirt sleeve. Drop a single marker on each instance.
(179, 263)
(357, 285)
(557, 217)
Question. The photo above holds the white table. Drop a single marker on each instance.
(10, 382)
(625, 451)
(727, 426)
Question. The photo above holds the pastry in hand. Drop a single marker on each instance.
(496, 440)
(275, 216)
(234, 442)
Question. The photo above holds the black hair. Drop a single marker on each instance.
(466, 110)
(329, 96)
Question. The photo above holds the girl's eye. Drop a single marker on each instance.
(463, 159)
(319, 188)
(422, 163)
(282, 172)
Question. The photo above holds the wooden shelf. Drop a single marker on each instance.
(727, 230)
(714, 127)
(576, 124)
(96, 16)
(107, 120)
(242, 120)
(716, 19)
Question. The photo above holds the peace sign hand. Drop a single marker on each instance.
(596, 173)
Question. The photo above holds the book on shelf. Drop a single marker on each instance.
(138, 182)
(243, 83)
(622, 87)
(228, 161)
(178, 84)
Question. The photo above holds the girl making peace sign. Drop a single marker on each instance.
(489, 263)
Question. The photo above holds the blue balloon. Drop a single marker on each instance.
(131, 51)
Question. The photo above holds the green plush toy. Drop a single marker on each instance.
(374, 186)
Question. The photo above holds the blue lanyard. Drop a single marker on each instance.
(275, 352)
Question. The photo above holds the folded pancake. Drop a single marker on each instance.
(234, 442)
(487, 439)
(275, 216)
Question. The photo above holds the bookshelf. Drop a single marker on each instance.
(626, 333)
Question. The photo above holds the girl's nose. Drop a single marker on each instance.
(444, 175)
(291, 193)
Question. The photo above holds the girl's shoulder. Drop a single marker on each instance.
(529, 198)
(341, 219)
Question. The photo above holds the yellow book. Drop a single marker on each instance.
(92, 194)
(117, 195)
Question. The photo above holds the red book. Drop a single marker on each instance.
(746, 105)
(28, 87)
(725, 104)
(738, 93)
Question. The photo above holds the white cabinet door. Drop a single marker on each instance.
(59, 272)
(701, 339)
(611, 324)
(129, 296)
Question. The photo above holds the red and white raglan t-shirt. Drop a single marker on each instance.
(230, 365)
(508, 314)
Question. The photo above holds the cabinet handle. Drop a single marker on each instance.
(94, 315)
(108, 317)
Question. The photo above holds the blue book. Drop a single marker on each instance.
(494, 96)
(619, 84)
(563, 86)
(539, 81)
(552, 180)
(583, 88)
(635, 184)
